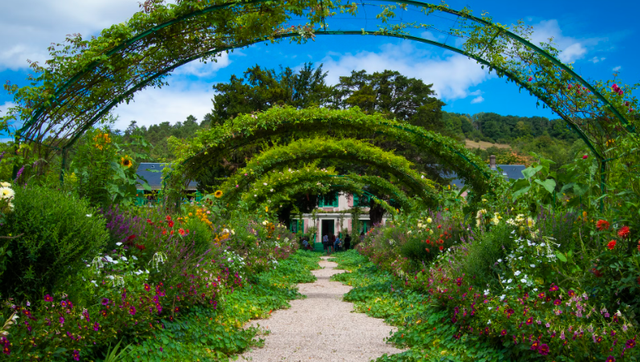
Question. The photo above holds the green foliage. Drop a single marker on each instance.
(58, 234)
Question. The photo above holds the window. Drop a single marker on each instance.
(361, 201)
(328, 200)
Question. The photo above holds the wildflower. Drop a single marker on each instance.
(218, 194)
(530, 79)
(61, 320)
(611, 244)
(602, 225)
(585, 157)
(147, 287)
(611, 359)
(149, 222)
(170, 224)
(541, 295)
(503, 332)
(544, 349)
(571, 293)
(132, 310)
(181, 231)
(76, 355)
(535, 345)
(630, 344)
(48, 298)
(6, 193)
(624, 232)
(557, 302)
(529, 321)
(96, 326)
(126, 161)
(103, 312)
(429, 220)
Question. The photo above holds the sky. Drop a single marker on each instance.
(599, 38)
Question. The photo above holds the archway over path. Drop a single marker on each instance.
(84, 81)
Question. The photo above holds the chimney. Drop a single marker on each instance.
(492, 162)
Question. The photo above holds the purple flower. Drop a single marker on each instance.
(19, 174)
(105, 301)
(132, 310)
(61, 319)
(96, 326)
(76, 355)
(630, 344)
(544, 349)
(48, 298)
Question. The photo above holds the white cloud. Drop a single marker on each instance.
(451, 75)
(30, 26)
(5, 106)
(572, 49)
(617, 69)
(173, 103)
(595, 60)
(200, 69)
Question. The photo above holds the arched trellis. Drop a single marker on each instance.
(345, 149)
(281, 184)
(129, 57)
(284, 193)
(210, 144)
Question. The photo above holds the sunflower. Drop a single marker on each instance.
(126, 162)
(218, 194)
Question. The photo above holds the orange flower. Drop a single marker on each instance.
(181, 231)
(611, 244)
(602, 225)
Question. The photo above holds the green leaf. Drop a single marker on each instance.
(521, 192)
(530, 171)
(548, 184)
(561, 257)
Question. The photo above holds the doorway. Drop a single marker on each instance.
(327, 227)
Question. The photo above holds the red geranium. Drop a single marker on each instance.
(611, 244)
(602, 225)
(624, 232)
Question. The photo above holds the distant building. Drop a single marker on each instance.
(509, 172)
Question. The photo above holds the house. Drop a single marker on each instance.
(152, 173)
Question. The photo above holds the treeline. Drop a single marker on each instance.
(388, 92)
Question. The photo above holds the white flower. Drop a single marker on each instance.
(6, 193)
(94, 283)
(518, 272)
(108, 258)
(429, 220)
(523, 280)
(486, 292)
(118, 243)
(134, 257)
(124, 258)
(532, 265)
(5, 184)
(509, 281)
(499, 260)
(88, 215)
(264, 183)
(271, 190)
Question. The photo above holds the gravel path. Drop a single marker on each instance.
(322, 327)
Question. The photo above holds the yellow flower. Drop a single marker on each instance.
(266, 208)
(126, 161)
(218, 194)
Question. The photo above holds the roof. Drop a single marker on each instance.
(152, 173)
(510, 172)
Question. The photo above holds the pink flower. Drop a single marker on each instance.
(48, 298)
(585, 157)
(530, 79)
(132, 310)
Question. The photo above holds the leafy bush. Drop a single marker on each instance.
(58, 233)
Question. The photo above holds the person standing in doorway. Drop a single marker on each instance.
(347, 242)
(325, 243)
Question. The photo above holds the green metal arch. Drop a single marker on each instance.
(296, 151)
(380, 185)
(94, 67)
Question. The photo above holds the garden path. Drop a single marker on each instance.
(322, 327)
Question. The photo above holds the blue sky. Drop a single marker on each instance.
(599, 38)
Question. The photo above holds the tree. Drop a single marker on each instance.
(261, 89)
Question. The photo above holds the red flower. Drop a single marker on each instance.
(529, 320)
(585, 157)
(131, 237)
(611, 244)
(441, 247)
(181, 231)
(459, 281)
(164, 231)
(149, 221)
(170, 223)
(602, 225)
(624, 232)
(530, 79)
(140, 247)
(168, 217)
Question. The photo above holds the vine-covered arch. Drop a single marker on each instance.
(329, 148)
(279, 185)
(244, 130)
(84, 80)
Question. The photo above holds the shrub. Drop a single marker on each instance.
(58, 233)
